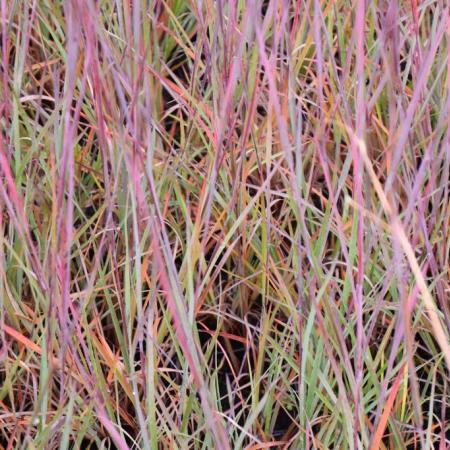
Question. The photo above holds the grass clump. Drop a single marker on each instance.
(224, 224)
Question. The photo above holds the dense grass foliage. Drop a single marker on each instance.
(224, 224)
